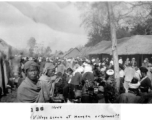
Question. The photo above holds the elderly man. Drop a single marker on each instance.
(30, 90)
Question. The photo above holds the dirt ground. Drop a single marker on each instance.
(9, 98)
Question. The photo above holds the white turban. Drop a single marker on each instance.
(88, 68)
(80, 69)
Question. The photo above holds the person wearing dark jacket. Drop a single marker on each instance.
(87, 82)
(133, 93)
(145, 85)
(68, 77)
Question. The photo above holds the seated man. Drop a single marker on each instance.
(30, 89)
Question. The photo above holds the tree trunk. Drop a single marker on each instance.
(114, 45)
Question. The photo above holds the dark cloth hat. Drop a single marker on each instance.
(30, 63)
(143, 69)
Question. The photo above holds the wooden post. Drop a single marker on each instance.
(142, 60)
(114, 45)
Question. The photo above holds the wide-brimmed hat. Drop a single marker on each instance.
(110, 72)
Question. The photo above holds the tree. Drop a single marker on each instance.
(31, 52)
(143, 29)
(95, 21)
(128, 15)
(80, 47)
(31, 43)
(104, 27)
(61, 53)
(114, 45)
(112, 18)
(48, 51)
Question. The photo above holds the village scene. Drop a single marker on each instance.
(76, 52)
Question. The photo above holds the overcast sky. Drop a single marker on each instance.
(50, 23)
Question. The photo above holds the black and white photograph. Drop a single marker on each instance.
(96, 52)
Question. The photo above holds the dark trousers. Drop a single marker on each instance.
(71, 94)
(66, 92)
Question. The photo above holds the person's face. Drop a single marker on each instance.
(136, 68)
(32, 73)
(50, 72)
(143, 74)
(69, 72)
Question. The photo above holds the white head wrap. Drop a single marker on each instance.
(134, 86)
(88, 68)
(80, 69)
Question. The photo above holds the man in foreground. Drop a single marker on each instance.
(30, 89)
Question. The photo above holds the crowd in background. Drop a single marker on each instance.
(77, 80)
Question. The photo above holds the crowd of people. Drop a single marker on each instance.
(77, 80)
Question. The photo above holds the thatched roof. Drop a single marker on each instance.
(72, 53)
(138, 44)
(101, 47)
(4, 47)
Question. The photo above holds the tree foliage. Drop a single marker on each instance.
(131, 18)
(48, 51)
(143, 29)
(31, 44)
